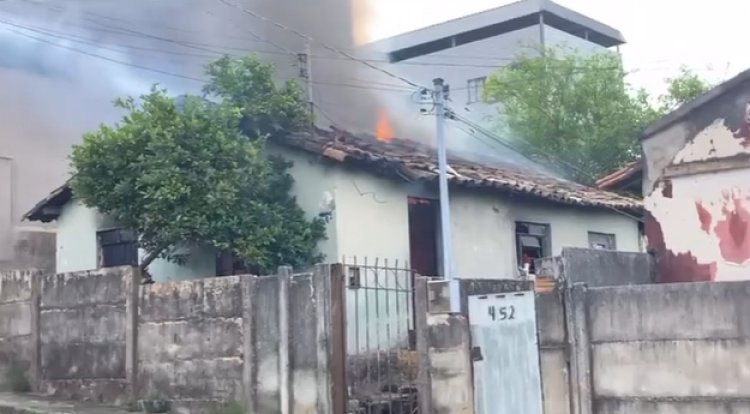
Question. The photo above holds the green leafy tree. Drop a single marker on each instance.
(248, 84)
(576, 111)
(682, 88)
(186, 174)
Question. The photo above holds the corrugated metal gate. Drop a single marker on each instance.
(504, 339)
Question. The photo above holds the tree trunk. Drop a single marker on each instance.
(146, 262)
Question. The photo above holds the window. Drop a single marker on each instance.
(602, 241)
(117, 247)
(476, 89)
(532, 242)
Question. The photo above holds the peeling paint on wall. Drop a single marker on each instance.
(699, 226)
(715, 142)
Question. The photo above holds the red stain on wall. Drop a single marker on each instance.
(682, 267)
(704, 216)
(734, 233)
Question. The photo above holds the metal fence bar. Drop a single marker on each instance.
(381, 356)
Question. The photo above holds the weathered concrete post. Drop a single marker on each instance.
(132, 298)
(249, 364)
(421, 308)
(450, 364)
(337, 341)
(35, 369)
(285, 385)
(577, 328)
(321, 283)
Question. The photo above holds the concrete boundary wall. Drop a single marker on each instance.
(19, 317)
(651, 349)
(271, 344)
(83, 335)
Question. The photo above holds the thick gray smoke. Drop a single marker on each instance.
(64, 62)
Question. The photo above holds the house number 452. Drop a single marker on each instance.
(502, 313)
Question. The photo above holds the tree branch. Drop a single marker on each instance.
(148, 260)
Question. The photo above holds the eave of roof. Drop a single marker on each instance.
(411, 161)
(47, 209)
(625, 173)
(684, 110)
(414, 162)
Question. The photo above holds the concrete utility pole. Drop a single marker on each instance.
(445, 215)
(305, 72)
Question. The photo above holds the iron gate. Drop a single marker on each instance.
(381, 349)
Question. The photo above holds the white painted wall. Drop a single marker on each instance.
(77, 247)
(76, 238)
(484, 230)
(714, 142)
(371, 220)
(6, 209)
(725, 198)
(200, 264)
(315, 187)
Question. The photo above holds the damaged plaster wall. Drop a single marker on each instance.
(698, 191)
(369, 217)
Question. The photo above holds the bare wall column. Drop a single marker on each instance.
(337, 342)
(285, 386)
(424, 386)
(322, 294)
(35, 370)
(450, 364)
(580, 349)
(250, 360)
(132, 296)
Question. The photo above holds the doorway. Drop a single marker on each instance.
(423, 236)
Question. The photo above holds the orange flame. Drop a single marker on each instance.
(383, 132)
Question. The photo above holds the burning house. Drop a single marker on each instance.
(379, 198)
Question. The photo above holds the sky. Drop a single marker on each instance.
(661, 35)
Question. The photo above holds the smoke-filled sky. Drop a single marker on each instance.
(63, 61)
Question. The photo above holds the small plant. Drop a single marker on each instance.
(15, 379)
(231, 408)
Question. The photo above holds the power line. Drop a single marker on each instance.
(282, 50)
(323, 44)
(106, 58)
(498, 139)
(260, 38)
(388, 88)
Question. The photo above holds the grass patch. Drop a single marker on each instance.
(231, 408)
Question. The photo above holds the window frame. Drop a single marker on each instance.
(610, 237)
(475, 89)
(545, 243)
(125, 239)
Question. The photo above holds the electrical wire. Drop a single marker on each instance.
(106, 58)
(501, 141)
(307, 38)
(258, 37)
(323, 44)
